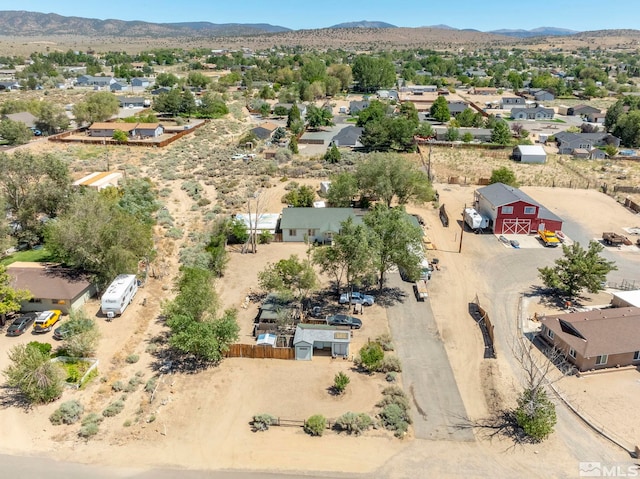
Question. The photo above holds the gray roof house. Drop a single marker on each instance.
(25, 117)
(529, 154)
(348, 137)
(456, 107)
(356, 107)
(475, 72)
(509, 102)
(141, 82)
(90, 80)
(536, 113)
(119, 86)
(568, 142)
(314, 224)
(582, 110)
(131, 101)
(543, 95)
(9, 85)
(308, 337)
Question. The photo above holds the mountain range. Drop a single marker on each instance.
(22, 23)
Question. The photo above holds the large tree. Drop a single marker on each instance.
(98, 106)
(343, 189)
(392, 177)
(371, 73)
(289, 275)
(394, 240)
(51, 118)
(500, 133)
(376, 111)
(503, 175)
(318, 117)
(32, 373)
(15, 132)
(440, 110)
(10, 298)
(98, 235)
(33, 185)
(578, 270)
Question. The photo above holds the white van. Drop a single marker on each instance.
(119, 295)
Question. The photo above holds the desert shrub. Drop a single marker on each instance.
(127, 423)
(133, 384)
(151, 385)
(315, 425)
(265, 237)
(113, 409)
(90, 425)
(73, 373)
(117, 386)
(44, 348)
(68, 413)
(34, 375)
(395, 418)
(536, 414)
(292, 185)
(390, 364)
(174, 233)
(262, 422)
(391, 377)
(385, 341)
(370, 358)
(132, 358)
(354, 423)
(340, 382)
(204, 202)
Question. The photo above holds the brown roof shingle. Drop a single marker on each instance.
(48, 282)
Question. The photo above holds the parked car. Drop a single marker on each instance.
(61, 332)
(344, 320)
(46, 321)
(357, 298)
(20, 324)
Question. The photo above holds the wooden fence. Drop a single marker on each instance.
(481, 316)
(632, 205)
(259, 352)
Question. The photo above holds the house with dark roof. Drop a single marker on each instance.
(119, 86)
(52, 286)
(9, 85)
(543, 95)
(348, 137)
(356, 107)
(568, 142)
(133, 130)
(316, 225)
(512, 211)
(131, 101)
(598, 339)
(141, 82)
(456, 107)
(29, 119)
(264, 130)
(582, 110)
(535, 113)
(90, 80)
(508, 102)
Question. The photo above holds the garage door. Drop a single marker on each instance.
(516, 226)
(303, 353)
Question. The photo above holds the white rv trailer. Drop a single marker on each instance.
(475, 220)
(119, 295)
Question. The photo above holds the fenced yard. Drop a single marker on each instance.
(259, 352)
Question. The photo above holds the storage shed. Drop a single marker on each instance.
(308, 337)
(529, 154)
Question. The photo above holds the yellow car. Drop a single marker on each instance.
(46, 320)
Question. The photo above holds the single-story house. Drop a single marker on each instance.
(119, 86)
(141, 82)
(356, 107)
(261, 222)
(475, 72)
(419, 89)
(287, 106)
(529, 154)
(511, 211)
(162, 89)
(148, 130)
(142, 130)
(623, 299)
(100, 180)
(589, 154)
(535, 113)
(264, 130)
(598, 339)
(483, 90)
(131, 101)
(596, 118)
(52, 287)
(388, 95)
(568, 141)
(314, 224)
(543, 95)
(9, 85)
(582, 110)
(335, 339)
(29, 119)
(348, 137)
(456, 107)
(508, 102)
(90, 80)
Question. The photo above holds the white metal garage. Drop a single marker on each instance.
(320, 336)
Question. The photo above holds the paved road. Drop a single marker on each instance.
(427, 374)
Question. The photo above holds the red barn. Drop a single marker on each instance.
(510, 211)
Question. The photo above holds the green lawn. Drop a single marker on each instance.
(33, 255)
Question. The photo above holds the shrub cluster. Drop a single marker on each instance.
(395, 410)
(68, 413)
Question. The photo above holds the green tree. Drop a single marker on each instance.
(394, 240)
(409, 111)
(389, 134)
(536, 414)
(15, 132)
(371, 73)
(375, 112)
(353, 253)
(313, 69)
(33, 374)
(197, 80)
(425, 130)
(515, 79)
(81, 336)
(212, 106)
(167, 79)
(440, 110)
(578, 270)
(500, 133)
(315, 425)
(343, 189)
(467, 118)
(120, 136)
(371, 356)
(467, 137)
(453, 134)
(333, 154)
(289, 275)
(392, 177)
(503, 175)
(187, 103)
(293, 145)
(96, 235)
(300, 197)
(51, 118)
(169, 102)
(343, 73)
(10, 298)
(139, 197)
(265, 110)
(318, 117)
(293, 116)
(628, 129)
(340, 382)
(98, 106)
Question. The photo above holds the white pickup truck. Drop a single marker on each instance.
(420, 289)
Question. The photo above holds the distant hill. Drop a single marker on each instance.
(364, 24)
(536, 32)
(23, 23)
(441, 27)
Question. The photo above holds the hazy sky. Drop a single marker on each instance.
(298, 14)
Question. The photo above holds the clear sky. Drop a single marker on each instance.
(298, 14)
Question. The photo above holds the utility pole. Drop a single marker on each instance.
(429, 164)
(462, 231)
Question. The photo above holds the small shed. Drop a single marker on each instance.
(266, 339)
(324, 187)
(100, 180)
(530, 154)
(309, 337)
(623, 299)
